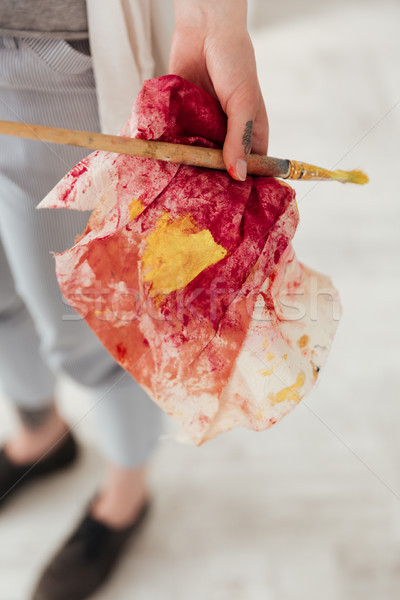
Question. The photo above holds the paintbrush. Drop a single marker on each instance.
(196, 156)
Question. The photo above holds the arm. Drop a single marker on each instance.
(212, 48)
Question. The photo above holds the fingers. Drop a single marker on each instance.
(247, 131)
(261, 129)
(241, 112)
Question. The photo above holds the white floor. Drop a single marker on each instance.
(311, 508)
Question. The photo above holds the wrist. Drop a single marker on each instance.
(211, 14)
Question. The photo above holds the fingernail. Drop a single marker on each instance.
(241, 169)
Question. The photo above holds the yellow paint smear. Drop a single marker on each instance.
(136, 207)
(289, 393)
(176, 253)
(303, 341)
(267, 372)
(269, 356)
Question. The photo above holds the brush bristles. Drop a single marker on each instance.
(355, 176)
(300, 170)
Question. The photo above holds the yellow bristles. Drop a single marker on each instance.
(355, 176)
(300, 170)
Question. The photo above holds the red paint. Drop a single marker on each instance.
(64, 196)
(204, 420)
(121, 351)
(268, 300)
(245, 407)
(232, 171)
(78, 170)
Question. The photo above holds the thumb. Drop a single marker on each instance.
(239, 137)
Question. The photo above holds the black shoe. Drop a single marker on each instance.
(86, 559)
(13, 477)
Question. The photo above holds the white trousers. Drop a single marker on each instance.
(51, 83)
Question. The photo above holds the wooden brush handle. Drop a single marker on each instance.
(176, 153)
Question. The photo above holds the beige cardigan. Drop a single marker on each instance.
(130, 41)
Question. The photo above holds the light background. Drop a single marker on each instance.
(311, 508)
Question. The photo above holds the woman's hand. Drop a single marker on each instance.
(211, 48)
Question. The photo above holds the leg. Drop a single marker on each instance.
(124, 428)
(130, 422)
(24, 375)
(26, 378)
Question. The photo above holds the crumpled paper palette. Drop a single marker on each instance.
(189, 278)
